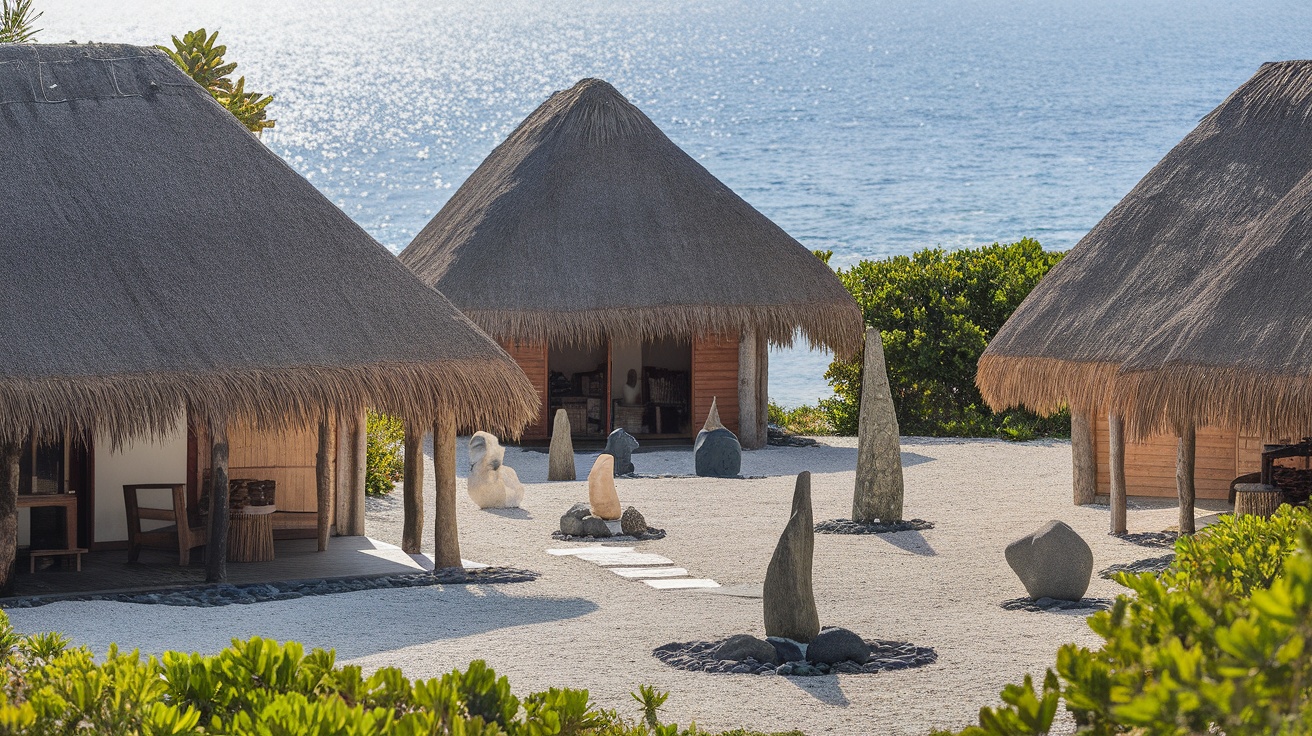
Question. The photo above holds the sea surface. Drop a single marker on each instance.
(869, 128)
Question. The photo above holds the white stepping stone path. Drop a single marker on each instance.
(654, 570)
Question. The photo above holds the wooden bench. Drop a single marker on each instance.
(33, 554)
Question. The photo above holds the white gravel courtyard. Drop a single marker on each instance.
(580, 625)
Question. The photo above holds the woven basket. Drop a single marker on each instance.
(630, 418)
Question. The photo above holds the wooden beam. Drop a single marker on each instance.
(1184, 478)
(1116, 459)
(216, 547)
(1084, 463)
(446, 539)
(323, 482)
(10, 452)
(762, 386)
(750, 427)
(350, 476)
(412, 489)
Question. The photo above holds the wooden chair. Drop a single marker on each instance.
(183, 535)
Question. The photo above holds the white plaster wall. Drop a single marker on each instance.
(145, 460)
(624, 356)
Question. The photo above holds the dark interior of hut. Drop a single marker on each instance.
(643, 387)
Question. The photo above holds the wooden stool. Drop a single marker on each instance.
(1258, 499)
(33, 554)
(250, 535)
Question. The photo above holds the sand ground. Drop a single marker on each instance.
(582, 626)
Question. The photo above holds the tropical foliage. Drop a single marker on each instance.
(201, 57)
(384, 453)
(937, 310)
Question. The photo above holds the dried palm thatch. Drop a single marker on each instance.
(1155, 253)
(155, 257)
(589, 222)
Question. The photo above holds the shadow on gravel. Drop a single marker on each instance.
(912, 541)
(824, 688)
(510, 513)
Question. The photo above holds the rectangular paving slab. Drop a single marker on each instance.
(587, 550)
(635, 573)
(630, 559)
(682, 583)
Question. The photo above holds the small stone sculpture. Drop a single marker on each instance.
(716, 453)
(571, 523)
(620, 445)
(879, 487)
(492, 483)
(1053, 562)
(787, 596)
(631, 389)
(560, 465)
(633, 523)
(602, 498)
(745, 646)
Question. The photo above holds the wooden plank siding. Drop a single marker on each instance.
(715, 376)
(532, 359)
(286, 457)
(1221, 456)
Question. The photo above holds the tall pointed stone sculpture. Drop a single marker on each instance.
(560, 464)
(603, 501)
(788, 598)
(879, 487)
(716, 452)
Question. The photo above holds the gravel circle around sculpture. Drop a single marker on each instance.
(646, 536)
(1161, 540)
(847, 526)
(1154, 565)
(209, 596)
(885, 656)
(1046, 605)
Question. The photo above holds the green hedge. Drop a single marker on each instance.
(384, 452)
(937, 311)
(1218, 644)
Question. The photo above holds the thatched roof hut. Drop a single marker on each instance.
(156, 256)
(589, 222)
(1159, 251)
(588, 225)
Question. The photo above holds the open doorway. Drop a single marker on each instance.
(650, 388)
(578, 382)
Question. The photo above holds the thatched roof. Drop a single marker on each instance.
(1157, 251)
(154, 255)
(589, 222)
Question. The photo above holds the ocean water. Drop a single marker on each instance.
(867, 127)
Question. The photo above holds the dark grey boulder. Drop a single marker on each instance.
(786, 650)
(740, 647)
(787, 596)
(595, 526)
(632, 523)
(571, 524)
(717, 454)
(833, 645)
(1053, 562)
(620, 445)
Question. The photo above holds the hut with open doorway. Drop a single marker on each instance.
(1174, 329)
(180, 305)
(631, 285)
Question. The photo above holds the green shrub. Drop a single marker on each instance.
(384, 453)
(1217, 644)
(937, 310)
(261, 688)
(804, 420)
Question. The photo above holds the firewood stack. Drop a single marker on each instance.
(1295, 484)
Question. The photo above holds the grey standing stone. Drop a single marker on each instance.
(561, 461)
(740, 647)
(1053, 562)
(572, 522)
(595, 526)
(716, 452)
(632, 522)
(787, 596)
(879, 487)
(833, 645)
(620, 445)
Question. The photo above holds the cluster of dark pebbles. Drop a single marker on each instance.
(847, 526)
(1154, 565)
(1045, 605)
(646, 536)
(885, 656)
(1161, 540)
(209, 596)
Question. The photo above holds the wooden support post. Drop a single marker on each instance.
(350, 476)
(750, 435)
(446, 540)
(1084, 465)
(1184, 478)
(412, 488)
(323, 481)
(10, 452)
(1116, 457)
(763, 387)
(216, 547)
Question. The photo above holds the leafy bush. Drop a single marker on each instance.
(384, 452)
(1217, 644)
(197, 55)
(259, 687)
(937, 311)
(805, 420)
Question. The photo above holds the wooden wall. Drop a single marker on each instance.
(1222, 455)
(532, 359)
(715, 376)
(286, 457)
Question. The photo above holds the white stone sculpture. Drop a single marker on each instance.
(492, 484)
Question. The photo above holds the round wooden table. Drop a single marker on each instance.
(250, 534)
